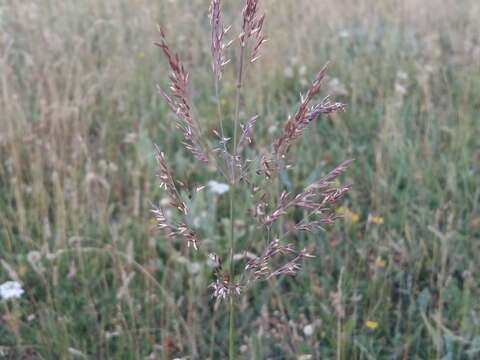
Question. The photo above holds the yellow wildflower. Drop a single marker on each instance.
(350, 215)
(377, 220)
(354, 217)
(371, 324)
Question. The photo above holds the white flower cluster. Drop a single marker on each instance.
(11, 290)
(218, 187)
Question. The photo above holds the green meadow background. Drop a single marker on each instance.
(79, 114)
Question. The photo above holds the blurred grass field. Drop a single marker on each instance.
(79, 113)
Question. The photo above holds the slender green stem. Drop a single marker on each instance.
(233, 180)
(340, 342)
(231, 310)
(231, 332)
(220, 120)
(225, 172)
(231, 348)
(219, 109)
(237, 101)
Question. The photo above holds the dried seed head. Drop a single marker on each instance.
(178, 101)
(223, 288)
(217, 41)
(262, 267)
(167, 183)
(317, 199)
(297, 123)
(247, 132)
(181, 231)
(252, 28)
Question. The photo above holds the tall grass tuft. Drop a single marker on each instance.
(249, 172)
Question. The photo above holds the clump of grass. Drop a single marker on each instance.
(250, 173)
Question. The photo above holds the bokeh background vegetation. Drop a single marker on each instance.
(79, 112)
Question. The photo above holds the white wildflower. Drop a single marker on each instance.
(11, 290)
(308, 330)
(218, 187)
